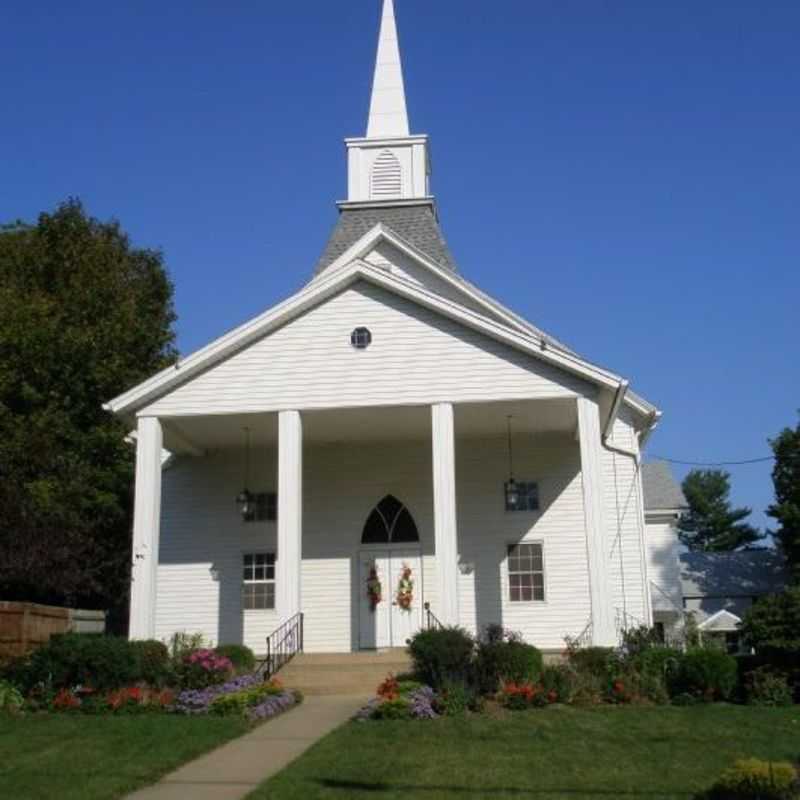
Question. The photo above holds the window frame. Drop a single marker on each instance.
(509, 573)
(266, 581)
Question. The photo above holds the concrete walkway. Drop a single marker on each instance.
(236, 768)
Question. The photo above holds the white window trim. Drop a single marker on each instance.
(259, 582)
(507, 587)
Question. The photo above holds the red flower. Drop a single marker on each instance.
(65, 700)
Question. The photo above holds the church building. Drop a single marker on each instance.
(388, 448)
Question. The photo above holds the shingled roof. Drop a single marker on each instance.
(661, 491)
(416, 224)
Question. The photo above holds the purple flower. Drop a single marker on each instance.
(420, 701)
(272, 705)
(197, 701)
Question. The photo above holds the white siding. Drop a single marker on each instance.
(663, 563)
(342, 483)
(625, 537)
(417, 356)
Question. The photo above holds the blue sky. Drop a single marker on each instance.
(624, 174)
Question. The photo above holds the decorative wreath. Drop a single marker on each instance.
(374, 588)
(405, 589)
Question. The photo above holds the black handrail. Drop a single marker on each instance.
(431, 620)
(283, 644)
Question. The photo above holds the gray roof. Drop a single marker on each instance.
(416, 224)
(741, 573)
(660, 489)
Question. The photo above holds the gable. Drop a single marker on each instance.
(417, 356)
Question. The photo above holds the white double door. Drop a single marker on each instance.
(387, 623)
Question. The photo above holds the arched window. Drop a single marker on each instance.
(390, 522)
(387, 176)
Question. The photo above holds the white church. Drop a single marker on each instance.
(390, 439)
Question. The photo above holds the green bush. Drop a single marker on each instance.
(11, 701)
(765, 687)
(237, 703)
(706, 673)
(636, 641)
(441, 655)
(597, 661)
(752, 779)
(242, 657)
(154, 664)
(772, 623)
(101, 662)
(659, 661)
(455, 698)
(558, 682)
(506, 659)
(393, 709)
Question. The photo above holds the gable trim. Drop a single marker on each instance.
(317, 292)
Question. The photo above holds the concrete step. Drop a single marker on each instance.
(342, 673)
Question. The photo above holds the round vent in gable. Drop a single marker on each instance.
(361, 338)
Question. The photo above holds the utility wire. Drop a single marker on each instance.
(715, 463)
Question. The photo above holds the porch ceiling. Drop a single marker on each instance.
(200, 433)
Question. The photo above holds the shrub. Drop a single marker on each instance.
(392, 709)
(597, 661)
(558, 682)
(765, 687)
(182, 644)
(242, 657)
(153, 661)
(203, 668)
(659, 661)
(502, 656)
(455, 698)
(102, 662)
(751, 779)
(11, 700)
(772, 623)
(442, 655)
(637, 641)
(706, 673)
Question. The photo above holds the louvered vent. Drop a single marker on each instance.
(387, 176)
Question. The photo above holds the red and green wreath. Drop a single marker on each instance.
(405, 589)
(374, 588)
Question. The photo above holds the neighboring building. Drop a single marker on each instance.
(719, 587)
(372, 418)
(663, 505)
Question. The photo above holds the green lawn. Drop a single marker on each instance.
(552, 753)
(99, 758)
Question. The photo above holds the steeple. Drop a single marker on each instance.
(388, 166)
(387, 109)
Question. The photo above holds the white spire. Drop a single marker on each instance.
(387, 109)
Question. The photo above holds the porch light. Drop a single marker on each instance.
(245, 499)
(510, 486)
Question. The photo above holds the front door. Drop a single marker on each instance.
(390, 596)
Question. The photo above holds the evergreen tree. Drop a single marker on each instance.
(786, 508)
(711, 524)
(83, 317)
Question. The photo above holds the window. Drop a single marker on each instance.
(525, 572)
(361, 338)
(527, 497)
(390, 521)
(258, 587)
(265, 508)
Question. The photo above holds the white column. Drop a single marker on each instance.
(444, 512)
(146, 528)
(290, 513)
(604, 630)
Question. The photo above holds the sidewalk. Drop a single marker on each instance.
(236, 768)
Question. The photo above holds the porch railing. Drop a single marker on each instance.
(431, 620)
(283, 644)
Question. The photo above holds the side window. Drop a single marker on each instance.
(258, 581)
(525, 572)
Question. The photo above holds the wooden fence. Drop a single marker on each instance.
(26, 626)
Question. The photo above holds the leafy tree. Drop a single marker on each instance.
(786, 508)
(711, 524)
(772, 623)
(84, 316)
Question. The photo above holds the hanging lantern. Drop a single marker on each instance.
(510, 486)
(245, 499)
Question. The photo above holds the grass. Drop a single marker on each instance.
(558, 752)
(103, 757)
